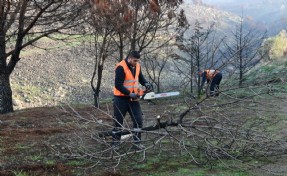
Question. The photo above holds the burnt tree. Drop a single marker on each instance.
(22, 23)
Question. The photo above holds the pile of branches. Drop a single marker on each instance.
(207, 131)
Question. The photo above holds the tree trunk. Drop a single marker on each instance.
(6, 105)
(240, 70)
(98, 86)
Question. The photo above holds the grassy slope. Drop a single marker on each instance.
(272, 73)
(268, 73)
(30, 139)
(270, 108)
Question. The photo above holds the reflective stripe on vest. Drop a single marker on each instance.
(210, 74)
(130, 82)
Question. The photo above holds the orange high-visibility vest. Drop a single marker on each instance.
(130, 82)
(210, 74)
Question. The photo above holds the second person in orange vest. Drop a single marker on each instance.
(215, 77)
(128, 76)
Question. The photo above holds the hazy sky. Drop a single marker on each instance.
(250, 7)
(241, 2)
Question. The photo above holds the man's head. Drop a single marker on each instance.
(133, 58)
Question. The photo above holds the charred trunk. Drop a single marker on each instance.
(6, 104)
(99, 82)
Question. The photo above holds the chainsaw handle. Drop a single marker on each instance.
(144, 92)
(135, 99)
(141, 94)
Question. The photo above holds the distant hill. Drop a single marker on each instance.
(265, 14)
(207, 15)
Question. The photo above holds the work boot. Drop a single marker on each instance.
(115, 145)
(217, 91)
(138, 146)
(212, 93)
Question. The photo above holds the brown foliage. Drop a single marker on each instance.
(154, 6)
(171, 14)
(128, 16)
(103, 6)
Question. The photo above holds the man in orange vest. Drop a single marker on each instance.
(215, 77)
(128, 76)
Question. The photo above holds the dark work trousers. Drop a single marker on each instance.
(121, 106)
(215, 83)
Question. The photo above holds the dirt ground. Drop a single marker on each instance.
(28, 138)
(23, 134)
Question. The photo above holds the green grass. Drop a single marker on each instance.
(22, 146)
(281, 87)
(20, 173)
(167, 164)
(76, 163)
(50, 162)
(36, 157)
(267, 69)
(260, 74)
(106, 101)
(30, 91)
(60, 41)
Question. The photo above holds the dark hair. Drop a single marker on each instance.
(135, 54)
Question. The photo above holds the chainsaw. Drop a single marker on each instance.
(142, 94)
(152, 95)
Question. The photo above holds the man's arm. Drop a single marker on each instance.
(119, 80)
(142, 79)
(144, 82)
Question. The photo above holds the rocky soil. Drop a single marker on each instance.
(62, 76)
(56, 76)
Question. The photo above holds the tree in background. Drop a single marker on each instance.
(22, 24)
(155, 64)
(145, 22)
(243, 47)
(197, 49)
(129, 25)
(101, 45)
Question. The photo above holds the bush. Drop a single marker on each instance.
(277, 45)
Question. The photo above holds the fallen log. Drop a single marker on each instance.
(159, 125)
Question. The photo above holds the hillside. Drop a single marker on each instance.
(208, 15)
(55, 140)
(62, 73)
(58, 75)
(265, 14)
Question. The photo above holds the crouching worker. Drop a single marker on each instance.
(128, 75)
(215, 77)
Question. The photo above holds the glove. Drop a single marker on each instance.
(133, 95)
(148, 87)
